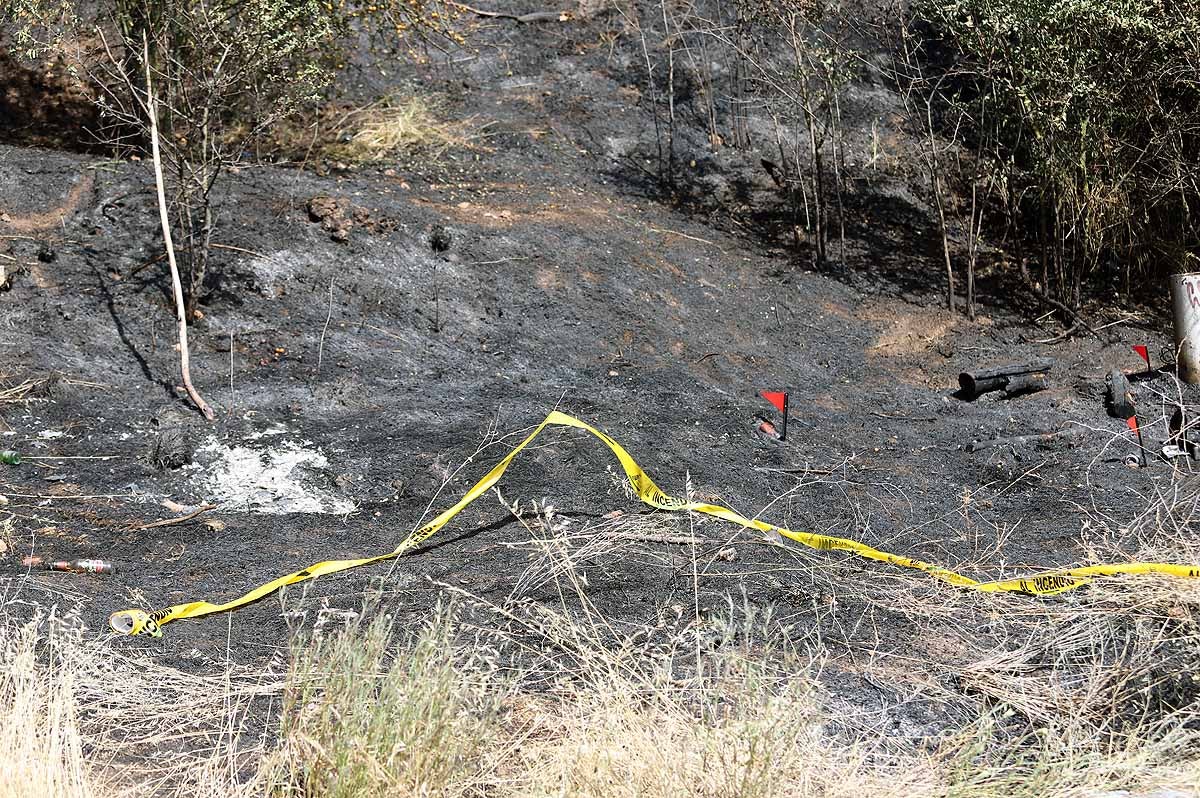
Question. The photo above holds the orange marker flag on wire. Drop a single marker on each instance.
(1132, 423)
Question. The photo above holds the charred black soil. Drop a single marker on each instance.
(474, 292)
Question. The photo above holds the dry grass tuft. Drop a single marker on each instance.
(40, 388)
(368, 710)
(1064, 759)
(78, 719)
(432, 716)
(397, 126)
(746, 731)
(41, 746)
(390, 128)
(367, 714)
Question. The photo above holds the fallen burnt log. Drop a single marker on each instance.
(1012, 379)
(1118, 396)
(1019, 440)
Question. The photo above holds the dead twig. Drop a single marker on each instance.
(18, 393)
(904, 418)
(242, 250)
(1065, 334)
(176, 284)
(533, 16)
(664, 231)
(1038, 292)
(74, 457)
(324, 330)
(204, 508)
(138, 269)
(650, 537)
(50, 496)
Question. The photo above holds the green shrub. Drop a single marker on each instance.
(1089, 113)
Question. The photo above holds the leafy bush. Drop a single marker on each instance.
(222, 72)
(1088, 114)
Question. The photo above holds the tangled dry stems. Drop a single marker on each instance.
(27, 389)
(541, 694)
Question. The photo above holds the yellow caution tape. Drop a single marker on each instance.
(133, 622)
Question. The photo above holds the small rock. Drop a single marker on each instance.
(321, 208)
(772, 536)
(337, 216)
(767, 430)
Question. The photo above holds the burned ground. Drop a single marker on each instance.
(475, 292)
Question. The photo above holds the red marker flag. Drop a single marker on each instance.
(1133, 425)
(777, 398)
(1143, 352)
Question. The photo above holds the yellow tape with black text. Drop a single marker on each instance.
(135, 621)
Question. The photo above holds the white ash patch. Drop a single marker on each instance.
(273, 272)
(274, 429)
(286, 477)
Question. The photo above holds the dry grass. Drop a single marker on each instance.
(1068, 698)
(367, 714)
(396, 126)
(368, 711)
(25, 390)
(78, 719)
(391, 128)
(41, 747)
(753, 726)
(983, 761)
(433, 716)
(40, 388)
